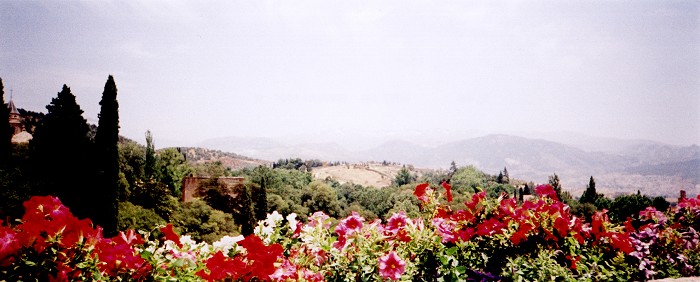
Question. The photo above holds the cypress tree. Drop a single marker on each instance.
(60, 150)
(106, 140)
(5, 130)
(150, 165)
(589, 195)
(248, 221)
(261, 195)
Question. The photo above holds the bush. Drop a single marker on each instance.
(202, 222)
(137, 218)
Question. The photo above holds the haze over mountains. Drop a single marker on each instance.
(619, 166)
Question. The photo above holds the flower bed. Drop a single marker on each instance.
(490, 239)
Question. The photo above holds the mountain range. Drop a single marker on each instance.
(618, 166)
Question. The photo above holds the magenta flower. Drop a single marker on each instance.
(391, 266)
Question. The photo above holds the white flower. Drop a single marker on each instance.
(187, 242)
(226, 243)
(273, 219)
(292, 220)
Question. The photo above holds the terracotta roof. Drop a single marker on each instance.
(13, 109)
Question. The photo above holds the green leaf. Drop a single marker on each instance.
(451, 251)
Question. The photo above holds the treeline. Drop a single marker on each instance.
(65, 158)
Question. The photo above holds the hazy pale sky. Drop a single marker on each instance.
(194, 70)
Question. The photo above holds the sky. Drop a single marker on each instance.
(347, 71)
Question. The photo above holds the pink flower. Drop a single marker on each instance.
(319, 217)
(396, 222)
(350, 224)
(391, 266)
(8, 245)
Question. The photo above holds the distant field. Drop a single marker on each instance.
(366, 174)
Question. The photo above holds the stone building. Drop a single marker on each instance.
(191, 185)
(15, 119)
(19, 134)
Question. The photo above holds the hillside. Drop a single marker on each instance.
(623, 167)
(230, 160)
(365, 174)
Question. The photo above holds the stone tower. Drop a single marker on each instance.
(15, 120)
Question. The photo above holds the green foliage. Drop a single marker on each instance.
(628, 206)
(137, 217)
(172, 168)
(131, 164)
(543, 267)
(106, 193)
(494, 191)
(660, 204)
(318, 196)
(584, 210)
(375, 201)
(468, 179)
(154, 195)
(404, 177)
(202, 222)
(13, 191)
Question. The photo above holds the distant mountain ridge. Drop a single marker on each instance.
(651, 167)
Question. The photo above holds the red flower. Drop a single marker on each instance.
(130, 238)
(521, 234)
(448, 191)
(220, 267)
(621, 242)
(261, 258)
(546, 190)
(171, 235)
(391, 266)
(120, 258)
(476, 200)
(490, 227)
(597, 223)
(420, 192)
(562, 226)
(573, 260)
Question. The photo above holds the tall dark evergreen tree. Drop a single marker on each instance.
(247, 217)
(106, 139)
(261, 195)
(5, 130)
(60, 153)
(589, 195)
(506, 176)
(150, 165)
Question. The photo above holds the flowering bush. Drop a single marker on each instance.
(489, 239)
